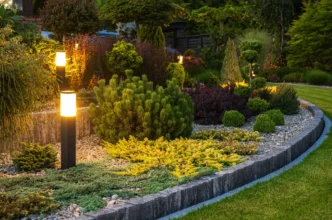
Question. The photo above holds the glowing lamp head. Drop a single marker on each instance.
(180, 59)
(68, 103)
(60, 59)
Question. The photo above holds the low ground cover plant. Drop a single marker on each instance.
(183, 157)
(233, 118)
(226, 135)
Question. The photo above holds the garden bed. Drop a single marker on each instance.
(92, 184)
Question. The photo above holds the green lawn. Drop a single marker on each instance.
(303, 192)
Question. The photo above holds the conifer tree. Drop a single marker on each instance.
(153, 34)
(230, 72)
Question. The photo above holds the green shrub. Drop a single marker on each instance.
(258, 83)
(264, 124)
(243, 91)
(15, 207)
(233, 118)
(190, 53)
(77, 17)
(294, 77)
(276, 116)
(317, 77)
(285, 99)
(285, 70)
(35, 157)
(257, 105)
(212, 58)
(176, 71)
(209, 77)
(134, 107)
(122, 57)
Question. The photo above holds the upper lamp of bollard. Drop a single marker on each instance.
(60, 58)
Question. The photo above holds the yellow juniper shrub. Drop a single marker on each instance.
(182, 156)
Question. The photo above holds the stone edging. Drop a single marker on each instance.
(183, 196)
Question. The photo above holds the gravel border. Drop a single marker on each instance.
(183, 196)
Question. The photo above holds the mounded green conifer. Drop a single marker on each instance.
(135, 108)
(153, 34)
(230, 72)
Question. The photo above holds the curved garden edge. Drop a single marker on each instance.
(183, 196)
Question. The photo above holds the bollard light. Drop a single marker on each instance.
(60, 58)
(68, 129)
(60, 63)
(180, 59)
(68, 103)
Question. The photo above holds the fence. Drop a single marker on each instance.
(193, 42)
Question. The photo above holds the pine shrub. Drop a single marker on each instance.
(243, 91)
(15, 207)
(233, 118)
(264, 124)
(176, 71)
(257, 105)
(211, 103)
(230, 72)
(258, 83)
(35, 157)
(285, 99)
(276, 116)
(135, 108)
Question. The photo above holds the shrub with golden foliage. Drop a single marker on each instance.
(14, 207)
(184, 157)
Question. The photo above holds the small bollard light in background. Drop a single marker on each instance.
(68, 129)
(180, 59)
(60, 63)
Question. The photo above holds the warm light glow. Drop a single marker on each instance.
(68, 103)
(180, 59)
(76, 46)
(60, 59)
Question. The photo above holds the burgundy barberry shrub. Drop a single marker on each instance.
(210, 104)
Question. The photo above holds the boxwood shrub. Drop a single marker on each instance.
(233, 118)
(243, 91)
(258, 83)
(257, 105)
(276, 115)
(264, 124)
(317, 77)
